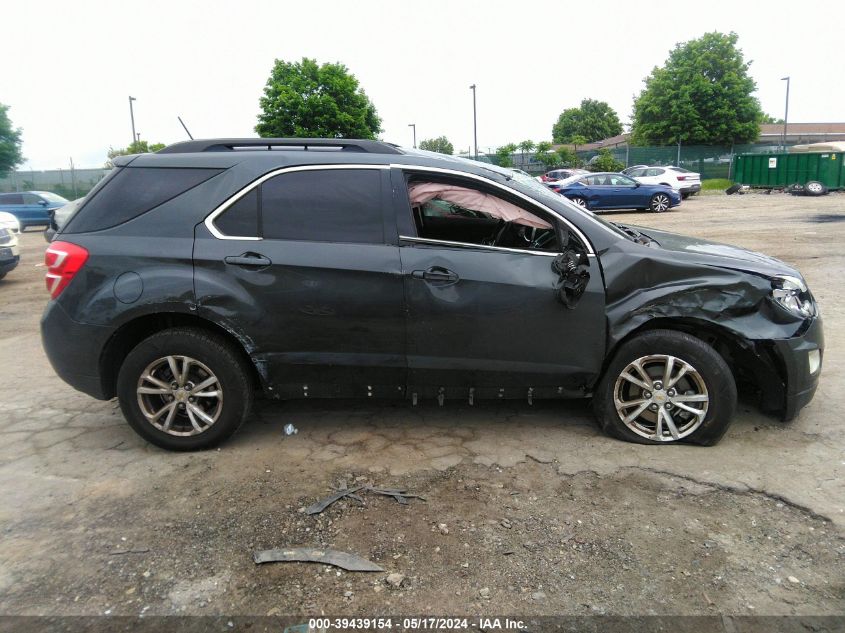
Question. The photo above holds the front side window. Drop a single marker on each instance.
(456, 212)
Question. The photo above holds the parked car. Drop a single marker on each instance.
(561, 174)
(682, 180)
(9, 251)
(31, 208)
(59, 217)
(605, 190)
(8, 221)
(383, 272)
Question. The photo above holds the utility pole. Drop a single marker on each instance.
(786, 111)
(132, 117)
(414, 125)
(474, 123)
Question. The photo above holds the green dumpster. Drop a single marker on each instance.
(786, 169)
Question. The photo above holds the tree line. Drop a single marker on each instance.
(702, 95)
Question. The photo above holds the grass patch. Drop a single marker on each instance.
(716, 184)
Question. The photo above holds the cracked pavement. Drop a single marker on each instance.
(765, 505)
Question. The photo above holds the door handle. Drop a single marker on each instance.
(436, 273)
(247, 259)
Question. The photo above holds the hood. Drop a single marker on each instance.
(722, 255)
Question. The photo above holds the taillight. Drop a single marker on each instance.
(63, 261)
(681, 177)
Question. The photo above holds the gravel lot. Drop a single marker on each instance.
(529, 509)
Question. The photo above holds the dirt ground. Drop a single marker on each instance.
(529, 510)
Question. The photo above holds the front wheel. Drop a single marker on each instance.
(184, 389)
(665, 387)
(659, 203)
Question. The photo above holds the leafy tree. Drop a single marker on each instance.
(440, 144)
(593, 120)
(138, 147)
(526, 146)
(504, 155)
(10, 142)
(543, 153)
(768, 118)
(606, 162)
(567, 157)
(303, 99)
(702, 95)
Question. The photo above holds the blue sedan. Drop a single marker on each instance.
(617, 191)
(31, 208)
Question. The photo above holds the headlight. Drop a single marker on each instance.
(792, 295)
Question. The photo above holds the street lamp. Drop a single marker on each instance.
(132, 116)
(474, 123)
(414, 125)
(786, 111)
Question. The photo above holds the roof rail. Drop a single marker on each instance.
(233, 144)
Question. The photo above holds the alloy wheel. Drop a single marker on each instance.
(179, 395)
(661, 398)
(660, 203)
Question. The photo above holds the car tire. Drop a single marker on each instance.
(158, 378)
(684, 196)
(733, 189)
(2, 275)
(581, 202)
(659, 203)
(700, 379)
(815, 188)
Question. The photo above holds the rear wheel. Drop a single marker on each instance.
(579, 201)
(659, 203)
(184, 389)
(665, 387)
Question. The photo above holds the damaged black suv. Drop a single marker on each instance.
(193, 278)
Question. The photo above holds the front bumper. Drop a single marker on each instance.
(796, 355)
(74, 349)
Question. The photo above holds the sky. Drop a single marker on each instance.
(70, 66)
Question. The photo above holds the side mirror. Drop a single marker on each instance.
(637, 183)
(43, 203)
(49, 234)
(573, 276)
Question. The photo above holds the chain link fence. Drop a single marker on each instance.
(68, 183)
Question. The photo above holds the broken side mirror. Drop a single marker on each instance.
(571, 268)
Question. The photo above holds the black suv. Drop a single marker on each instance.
(192, 278)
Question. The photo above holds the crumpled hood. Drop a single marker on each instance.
(716, 254)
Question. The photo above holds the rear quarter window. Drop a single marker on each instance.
(132, 192)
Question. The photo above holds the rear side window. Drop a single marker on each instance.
(329, 205)
(11, 198)
(241, 219)
(132, 192)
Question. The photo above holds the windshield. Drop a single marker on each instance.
(52, 197)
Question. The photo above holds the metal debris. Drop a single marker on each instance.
(400, 494)
(344, 560)
(290, 429)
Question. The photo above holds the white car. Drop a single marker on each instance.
(682, 180)
(9, 221)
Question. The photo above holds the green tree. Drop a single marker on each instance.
(768, 118)
(138, 147)
(543, 153)
(504, 155)
(567, 157)
(10, 142)
(592, 120)
(303, 99)
(702, 95)
(526, 146)
(440, 144)
(606, 162)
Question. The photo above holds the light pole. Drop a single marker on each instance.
(132, 116)
(414, 125)
(786, 111)
(474, 123)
